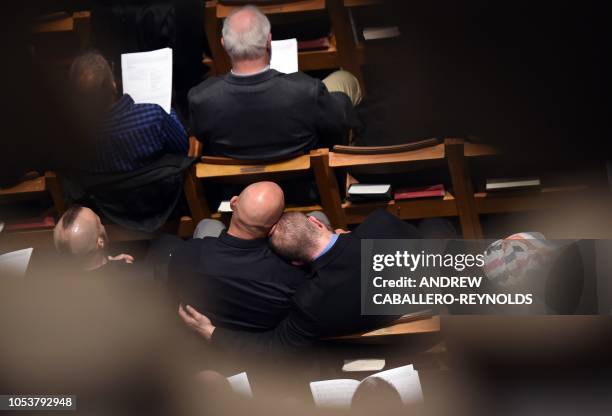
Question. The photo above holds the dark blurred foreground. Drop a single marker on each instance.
(119, 347)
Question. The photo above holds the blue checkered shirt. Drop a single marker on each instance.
(134, 135)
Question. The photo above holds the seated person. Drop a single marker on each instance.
(236, 278)
(328, 303)
(81, 239)
(127, 136)
(255, 112)
(80, 236)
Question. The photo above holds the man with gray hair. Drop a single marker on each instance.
(255, 112)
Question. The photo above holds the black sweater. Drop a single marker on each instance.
(266, 116)
(329, 303)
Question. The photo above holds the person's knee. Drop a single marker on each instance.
(345, 82)
(208, 228)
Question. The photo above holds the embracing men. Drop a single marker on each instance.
(318, 293)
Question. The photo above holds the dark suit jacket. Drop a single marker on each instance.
(238, 284)
(266, 116)
(141, 200)
(329, 303)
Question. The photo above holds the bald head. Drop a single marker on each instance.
(246, 34)
(79, 234)
(257, 209)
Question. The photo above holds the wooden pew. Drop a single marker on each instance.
(451, 155)
(342, 53)
(78, 22)
(361, 3)
(226, 170)
(394, 331)
(420, 343)
(34, 186)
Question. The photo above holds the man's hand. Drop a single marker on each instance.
(122, 257)
(196, 321)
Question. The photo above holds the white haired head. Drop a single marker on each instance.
(246, 34)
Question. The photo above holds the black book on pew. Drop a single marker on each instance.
(513, 184)
(360, 192)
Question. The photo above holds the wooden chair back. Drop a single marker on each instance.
(221, 169)
(396, 159)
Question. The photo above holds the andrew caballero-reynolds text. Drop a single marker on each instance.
(414, 272)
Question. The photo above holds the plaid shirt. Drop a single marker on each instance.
(134, 135)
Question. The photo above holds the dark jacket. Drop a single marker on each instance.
(266, 116)
(238, 284)
(141, 200)
(329, 304)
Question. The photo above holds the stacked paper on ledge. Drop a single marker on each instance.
(364, 192)
(513, 184)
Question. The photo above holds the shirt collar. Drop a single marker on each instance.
(251, 79)
(334, 251)
(241, 243)
(332, 241)
(267, 67)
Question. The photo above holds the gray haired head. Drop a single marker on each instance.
(246, 33)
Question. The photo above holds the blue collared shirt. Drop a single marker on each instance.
(329, 245)
(134, 135)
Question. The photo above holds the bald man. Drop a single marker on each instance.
(233, 274)
(80, 236)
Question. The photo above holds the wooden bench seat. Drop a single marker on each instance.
(390, 333)
(221, 169)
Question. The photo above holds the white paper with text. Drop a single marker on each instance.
(147, 77)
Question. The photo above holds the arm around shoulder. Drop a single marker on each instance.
(294, 332)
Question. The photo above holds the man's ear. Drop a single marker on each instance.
(272, 230)
(222, 42)
(233, 202)
(269, 44)
(316, 222)
(100, 243)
